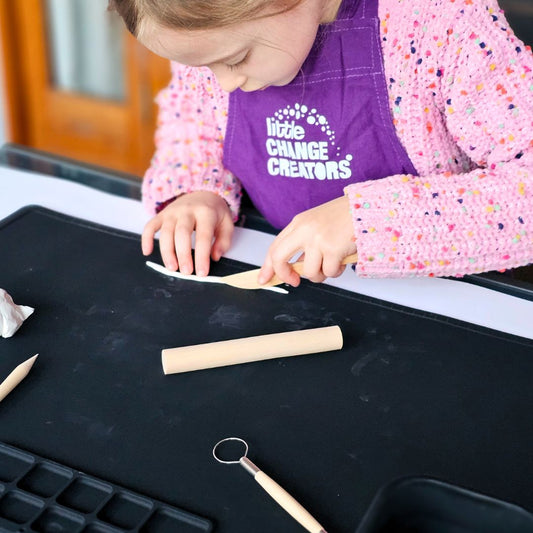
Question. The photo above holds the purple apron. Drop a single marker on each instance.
(298, 146)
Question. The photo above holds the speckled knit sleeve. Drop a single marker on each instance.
(189, 139)
(461, 96)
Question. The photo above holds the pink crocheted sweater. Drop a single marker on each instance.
(461, 97)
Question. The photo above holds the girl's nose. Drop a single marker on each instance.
(228, 81)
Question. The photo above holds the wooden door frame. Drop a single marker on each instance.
(99, 131)
(15, 112)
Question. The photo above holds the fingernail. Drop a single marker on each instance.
(202, 273)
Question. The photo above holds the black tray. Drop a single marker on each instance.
(43, 496)
(422, 505)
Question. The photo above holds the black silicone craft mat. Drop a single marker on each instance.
(410, 393)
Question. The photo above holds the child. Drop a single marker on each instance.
(400, 130)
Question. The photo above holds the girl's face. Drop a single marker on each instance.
(250, 55)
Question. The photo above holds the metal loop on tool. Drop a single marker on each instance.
(226, 440)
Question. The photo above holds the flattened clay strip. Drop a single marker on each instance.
(203, 279)
(179, 275)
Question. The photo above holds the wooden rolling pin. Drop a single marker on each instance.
(250, 349)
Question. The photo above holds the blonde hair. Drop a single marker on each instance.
(195, 14)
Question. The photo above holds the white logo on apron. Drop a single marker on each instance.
(292, 156)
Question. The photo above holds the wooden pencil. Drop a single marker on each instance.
(16, 376)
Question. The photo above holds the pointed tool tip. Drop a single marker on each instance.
(29, 362)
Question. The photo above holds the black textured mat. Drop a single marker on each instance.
(409, 394)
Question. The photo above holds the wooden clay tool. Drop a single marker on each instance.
(249, 349)
(280, 495)
(248, 279)
(20, 372)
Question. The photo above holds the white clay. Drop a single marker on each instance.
(203, 279)
(11, 315)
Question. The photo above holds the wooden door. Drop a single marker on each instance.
(112, 132)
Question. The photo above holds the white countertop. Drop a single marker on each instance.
(450, 298)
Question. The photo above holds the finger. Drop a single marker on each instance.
(266, 272)
(313, 266)
(167, 247)
(223, 236)
(183, 243)
(205, 229)
(277, 261)
(332, 267)
(284, 270)
(148, 234)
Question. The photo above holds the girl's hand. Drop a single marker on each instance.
(203, 211)
(323, 234)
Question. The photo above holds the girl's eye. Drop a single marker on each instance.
(235, 66)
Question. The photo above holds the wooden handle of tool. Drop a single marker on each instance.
(288, 503)
(251, 349)
(348, 260)
(298, 267)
